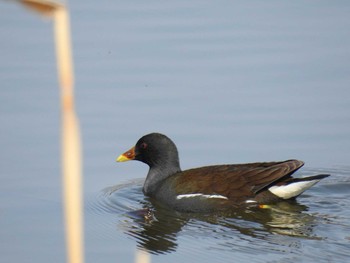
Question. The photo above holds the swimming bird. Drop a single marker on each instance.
(214, 187)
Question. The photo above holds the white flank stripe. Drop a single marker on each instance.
(291, 190)
(200, 195)
(187, 196)
(250, 201)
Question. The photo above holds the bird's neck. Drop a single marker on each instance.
(156, 175)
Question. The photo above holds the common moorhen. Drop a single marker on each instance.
(216, 187)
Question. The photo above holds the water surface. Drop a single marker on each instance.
(228, 81)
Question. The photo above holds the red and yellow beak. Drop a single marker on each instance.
(127, 156)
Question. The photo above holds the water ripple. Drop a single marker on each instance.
(283, 228)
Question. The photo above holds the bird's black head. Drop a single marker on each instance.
(154, 149)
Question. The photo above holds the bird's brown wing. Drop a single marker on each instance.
(234, 181)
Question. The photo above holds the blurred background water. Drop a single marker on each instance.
(228, 81)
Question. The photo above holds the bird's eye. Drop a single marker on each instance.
(143, 145)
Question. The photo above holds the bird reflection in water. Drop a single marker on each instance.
(156, 229)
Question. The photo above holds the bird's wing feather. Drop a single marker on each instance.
(234, 181)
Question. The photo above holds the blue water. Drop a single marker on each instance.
(228, 81)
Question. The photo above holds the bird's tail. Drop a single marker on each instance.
(295, 186)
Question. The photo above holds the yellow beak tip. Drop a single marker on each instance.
(122, 158)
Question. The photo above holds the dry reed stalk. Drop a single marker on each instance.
(71, 148)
